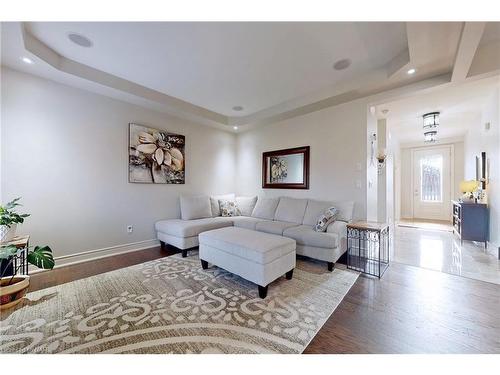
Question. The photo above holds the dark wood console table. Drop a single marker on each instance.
(471, 221)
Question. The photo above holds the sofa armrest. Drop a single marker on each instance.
(338, 227)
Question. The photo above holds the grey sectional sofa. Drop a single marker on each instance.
(283, 216)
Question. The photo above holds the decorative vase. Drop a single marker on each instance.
(12, 294)
(7, 233)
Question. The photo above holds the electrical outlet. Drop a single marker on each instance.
(130, 228)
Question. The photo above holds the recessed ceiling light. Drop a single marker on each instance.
(342, 64)
(235, 127)
(80, 40)
(238, 108)
(411, 71)
(27, 60)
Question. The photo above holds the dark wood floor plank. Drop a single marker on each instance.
(410, 310)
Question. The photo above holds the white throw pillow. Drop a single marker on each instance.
(228, 208)
(214, 202)
(197, 207)
(265, 208)
(325, 219)
(246, 205)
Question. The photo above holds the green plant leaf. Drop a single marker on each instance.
(41, 256)
(7, 251)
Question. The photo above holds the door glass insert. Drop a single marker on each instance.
(431, 178)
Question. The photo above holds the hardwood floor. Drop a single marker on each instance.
(410, 310)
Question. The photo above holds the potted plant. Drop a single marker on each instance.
(14, 287)
(9, 219)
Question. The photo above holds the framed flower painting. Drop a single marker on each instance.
(155, 156)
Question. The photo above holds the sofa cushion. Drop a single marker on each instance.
(190, 228)
(305, 235)
(346, 210)
(214, 202)
(195, 207)
(273, 227)
(254, 246)
(265, 208)
(291, 210)
(246, 205)
(315, 208)
(247, 222)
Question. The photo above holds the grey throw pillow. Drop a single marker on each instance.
(325, 219)
(228, 208)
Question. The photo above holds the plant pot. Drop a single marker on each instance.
(7, 233)
(11, 295)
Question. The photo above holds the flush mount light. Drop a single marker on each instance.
(80, 40)
(431, 123)
(342, 64)
(411, 71)
(235, 127)
(431, 120)
(430, 136)
(26, 60)
(237, 108)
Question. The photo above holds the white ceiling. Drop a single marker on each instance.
(221, 65)
(459, 106)
(201, 70)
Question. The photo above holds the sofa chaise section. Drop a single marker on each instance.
(183, 234)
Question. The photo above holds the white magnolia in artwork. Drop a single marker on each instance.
(155, 156)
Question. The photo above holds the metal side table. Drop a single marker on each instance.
(368, 247)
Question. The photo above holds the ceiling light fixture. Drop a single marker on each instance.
(431, 123)
(411, 71)
(342, 64)
(237, 108)
(80, 40)
(430, 137)
(26, 60)
(235, 127)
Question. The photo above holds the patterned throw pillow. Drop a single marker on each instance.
(325, 219)
(229, 208)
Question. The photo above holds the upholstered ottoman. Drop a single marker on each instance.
(258, 257)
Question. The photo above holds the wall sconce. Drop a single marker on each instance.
(381, 157)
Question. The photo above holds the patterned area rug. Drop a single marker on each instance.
(172, 305)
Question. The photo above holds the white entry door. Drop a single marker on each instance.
(432, 183)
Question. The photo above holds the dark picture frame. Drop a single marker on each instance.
(266, 156)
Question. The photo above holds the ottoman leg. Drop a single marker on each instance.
(289, 274)
(331, 265)
(262, 291)
(204, 264)
(184, 253)
(162, 244)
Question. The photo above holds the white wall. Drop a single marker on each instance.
(477, 140)
(337, 137)
(64, 151)
(407, 170)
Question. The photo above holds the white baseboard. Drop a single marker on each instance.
(66, 260)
